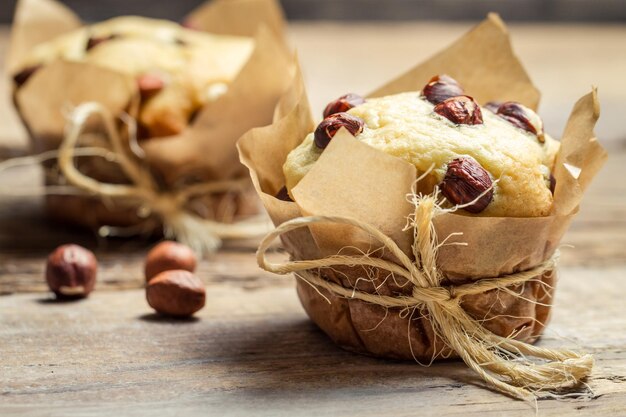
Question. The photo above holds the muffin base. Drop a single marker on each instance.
(372, 330)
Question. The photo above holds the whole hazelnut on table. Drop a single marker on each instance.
(71, 271)
(169, 255)
(176, 293)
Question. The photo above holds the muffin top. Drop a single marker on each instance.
(500, 168)
(177, 70)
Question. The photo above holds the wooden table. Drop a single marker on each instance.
(252, 350)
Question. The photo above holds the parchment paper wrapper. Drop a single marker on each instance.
(355, 180)
(204, 151)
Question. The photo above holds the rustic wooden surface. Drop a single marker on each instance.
(252, 349)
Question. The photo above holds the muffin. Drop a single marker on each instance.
(177, 70)
(515, 161)
(496, 168)
(484, 160)
(180, 99)
(420, 225)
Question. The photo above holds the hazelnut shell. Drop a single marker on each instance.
(71, 271)
(176, 293)
(169, 255)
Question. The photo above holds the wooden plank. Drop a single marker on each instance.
(252, 350)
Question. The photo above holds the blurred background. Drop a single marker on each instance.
(567, 46)
(514, 10)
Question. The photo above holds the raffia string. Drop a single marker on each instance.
(201, 234)
(503, 362)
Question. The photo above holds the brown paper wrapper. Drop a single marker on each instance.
(204, 151)
(355, 180)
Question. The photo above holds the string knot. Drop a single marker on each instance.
(203, 235)
(432, 294)
(503, 362)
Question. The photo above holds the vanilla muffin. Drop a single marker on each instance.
(495, 160)
(177, 70)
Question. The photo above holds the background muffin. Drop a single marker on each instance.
(177, 70)
(197, 90)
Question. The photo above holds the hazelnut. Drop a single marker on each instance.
(169, 255)
(493, 106)
(440, 88)
(21, 77)
(462, 110)
(330, 125)
(71, 271)
(176, 293)
(283, 194)
(94, 41)
(149, 84)
(521, 116)
(343, 104)
(464, 181)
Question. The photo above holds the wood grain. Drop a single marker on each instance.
(253, 351)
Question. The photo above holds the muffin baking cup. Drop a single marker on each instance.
(190, 184)
(387, 272)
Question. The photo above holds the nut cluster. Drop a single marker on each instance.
(466, 182)
(171, 288)
(450, 102)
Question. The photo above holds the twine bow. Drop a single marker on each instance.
(502, 362)
(201, 234)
